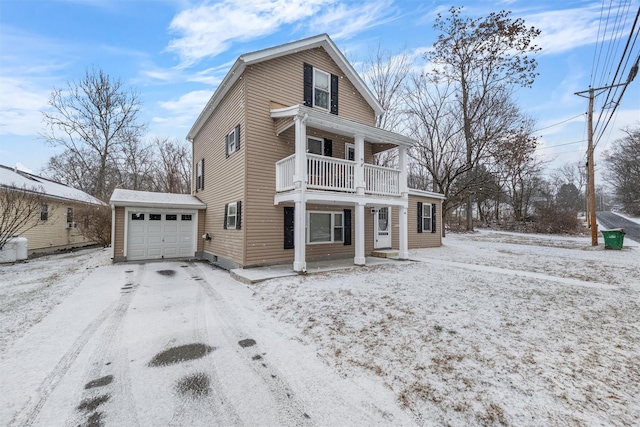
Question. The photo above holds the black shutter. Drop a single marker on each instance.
(347, 227)
(433, 217)
(289, 216)
(237, 141)
(334, 94)
(419, 217)
(226, 145)
(202, 175)
(328, 147)
(308, 85)
(226, 208)
(238, 215)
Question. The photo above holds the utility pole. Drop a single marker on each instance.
(591, 182)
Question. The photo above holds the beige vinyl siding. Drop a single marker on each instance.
(118, 244)
(425, 239)
(52, 234)
(224, 178)
(201, 231)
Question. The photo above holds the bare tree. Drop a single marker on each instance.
(385, 74)
(481, 56)
(622, 161)
(20, 210)
(173, 168)
(92, 119)
(95, 223)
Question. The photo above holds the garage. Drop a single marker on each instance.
(149, 226)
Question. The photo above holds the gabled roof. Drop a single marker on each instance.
(149, 199)
(322, 40)
(10, 177)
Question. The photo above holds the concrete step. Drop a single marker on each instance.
(385, 253)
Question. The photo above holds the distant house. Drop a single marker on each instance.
(58, 224)
(283, 157)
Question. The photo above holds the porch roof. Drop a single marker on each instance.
(331, 123)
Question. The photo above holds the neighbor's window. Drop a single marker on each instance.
(321, 88)
(69, 215)
(44, 212)
(232, 215)
(426, 217)
(325, 227)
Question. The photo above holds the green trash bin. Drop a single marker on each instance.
(613, 239)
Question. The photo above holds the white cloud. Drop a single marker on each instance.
(181, 112)
(210, 29)
(564, 30)
(22, 115)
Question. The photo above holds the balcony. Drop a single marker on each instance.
(333, 174)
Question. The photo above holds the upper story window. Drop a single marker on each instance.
(200, 175)
(320, 89)
(232, 141)
(69, 215)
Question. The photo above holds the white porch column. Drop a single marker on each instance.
(403, 250)
(359, 259)
(403, 222)
(299, 181)
(403, 165)
(359, 169)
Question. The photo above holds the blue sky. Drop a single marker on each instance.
(175, 52)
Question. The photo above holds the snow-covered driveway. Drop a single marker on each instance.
(170, 343)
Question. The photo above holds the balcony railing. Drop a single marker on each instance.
(333, 174)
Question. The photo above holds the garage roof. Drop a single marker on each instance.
(144, 199)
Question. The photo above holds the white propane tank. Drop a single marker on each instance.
(21, 246)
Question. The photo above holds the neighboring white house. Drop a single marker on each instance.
(58, 225)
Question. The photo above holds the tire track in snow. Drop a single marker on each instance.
(217, 408)
(289, 409)
(30, 411)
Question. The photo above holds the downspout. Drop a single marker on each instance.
(113, 232)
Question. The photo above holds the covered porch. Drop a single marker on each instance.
(305, 178)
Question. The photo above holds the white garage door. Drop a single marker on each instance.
(156, 235)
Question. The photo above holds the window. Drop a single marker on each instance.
(44, 212)
(200, 175)
(325, 227)
(171, 217)
(69, 216)
(315, 146)
(349, 151)
(321, 89)
(155, 217)
(186, 217)
(137, 217)
(426, 217)
(232, 215)
(232, 141)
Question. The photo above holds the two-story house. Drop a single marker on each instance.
(284, 161)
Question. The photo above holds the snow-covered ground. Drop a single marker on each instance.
(492, 328)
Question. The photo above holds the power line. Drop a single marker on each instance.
(559, 123)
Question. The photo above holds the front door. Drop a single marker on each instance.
(382, 225)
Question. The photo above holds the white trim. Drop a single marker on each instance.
(243, 61)
(331, 123)
(337, 198)
(423, 193)
(113, 232)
